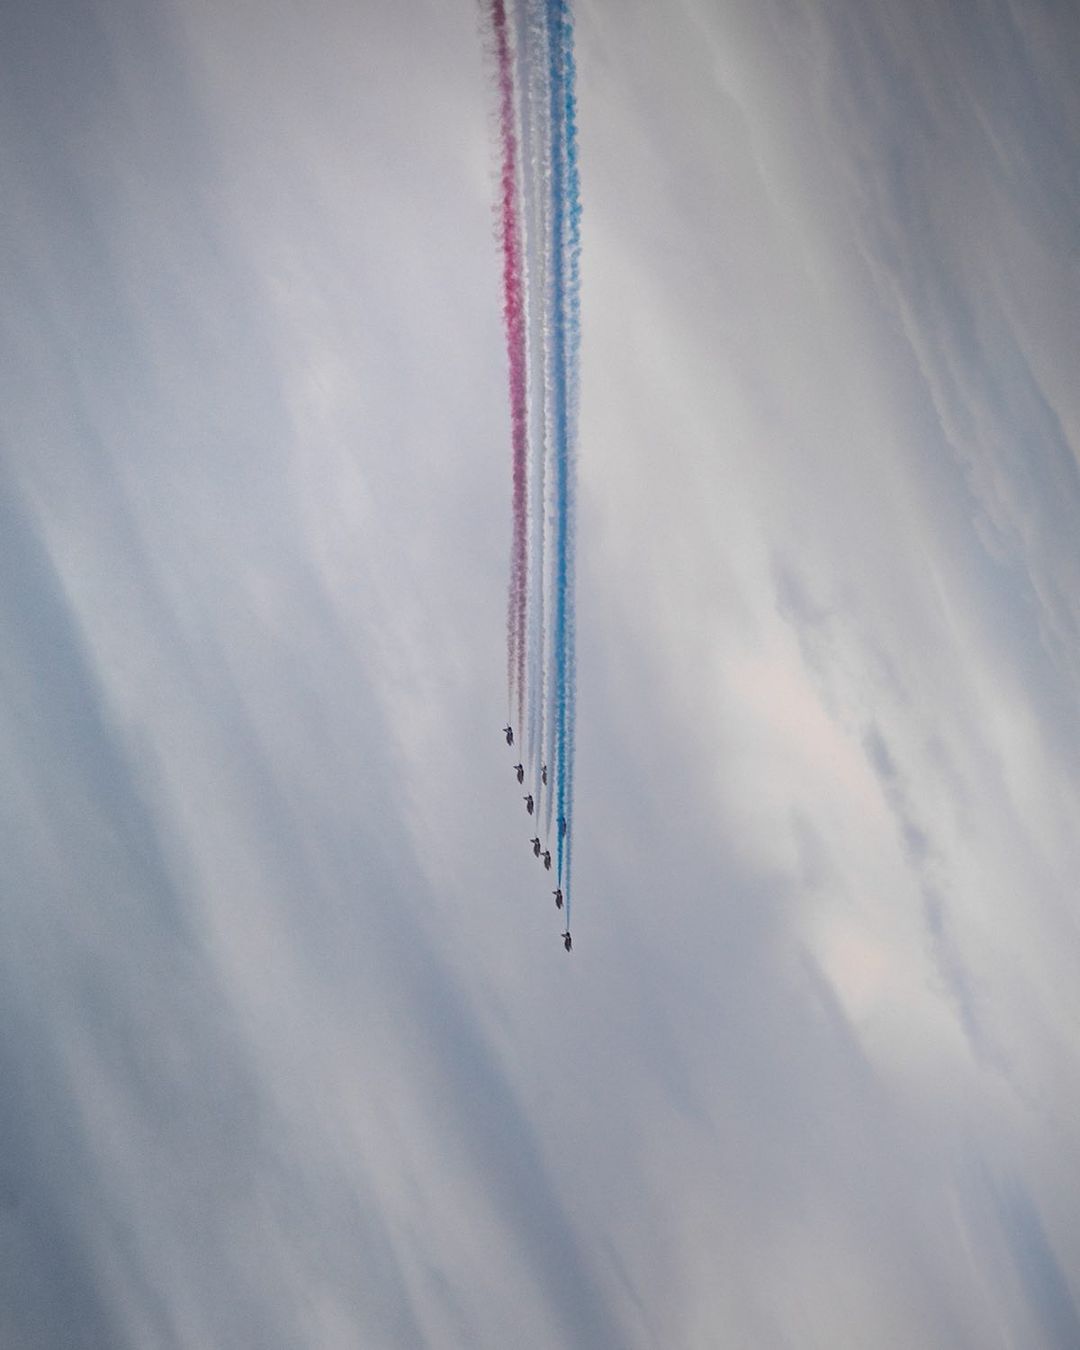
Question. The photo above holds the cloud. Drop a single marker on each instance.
(298, 1054)
(1044, 1282)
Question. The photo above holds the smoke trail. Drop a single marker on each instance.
(515, 349)
(533, 158)
(557, 347)
(545, 451)
(573, 349)
(564, 346)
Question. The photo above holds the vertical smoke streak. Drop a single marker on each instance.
(513, 317)
(573, 349)
(544, 450)
(533, 73)
(533, 189)
(557, 23)
(566, 341)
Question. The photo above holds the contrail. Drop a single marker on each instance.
(544, 451)
(572, 356)
(565, 215)
(515, 350)
(530, 38)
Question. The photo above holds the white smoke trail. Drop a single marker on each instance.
(531, 137)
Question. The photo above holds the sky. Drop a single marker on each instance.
(290, 1052)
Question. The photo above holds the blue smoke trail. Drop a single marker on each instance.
(532, 117)
(565, 248)
(573, 349)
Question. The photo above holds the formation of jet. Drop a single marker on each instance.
(539, 851)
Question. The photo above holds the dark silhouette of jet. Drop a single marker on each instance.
(519, 769)
(536, 846)
(508, 732)
(528, 803)
(547, 859)
(543, 774)
(562, 825)
(566, 940)
(558, 897)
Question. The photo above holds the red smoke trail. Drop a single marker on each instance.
(514, 318)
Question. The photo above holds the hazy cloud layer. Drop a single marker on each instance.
(290, 1051)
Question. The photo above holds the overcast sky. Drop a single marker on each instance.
(290, 1052)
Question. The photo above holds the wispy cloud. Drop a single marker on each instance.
(293, 1056)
